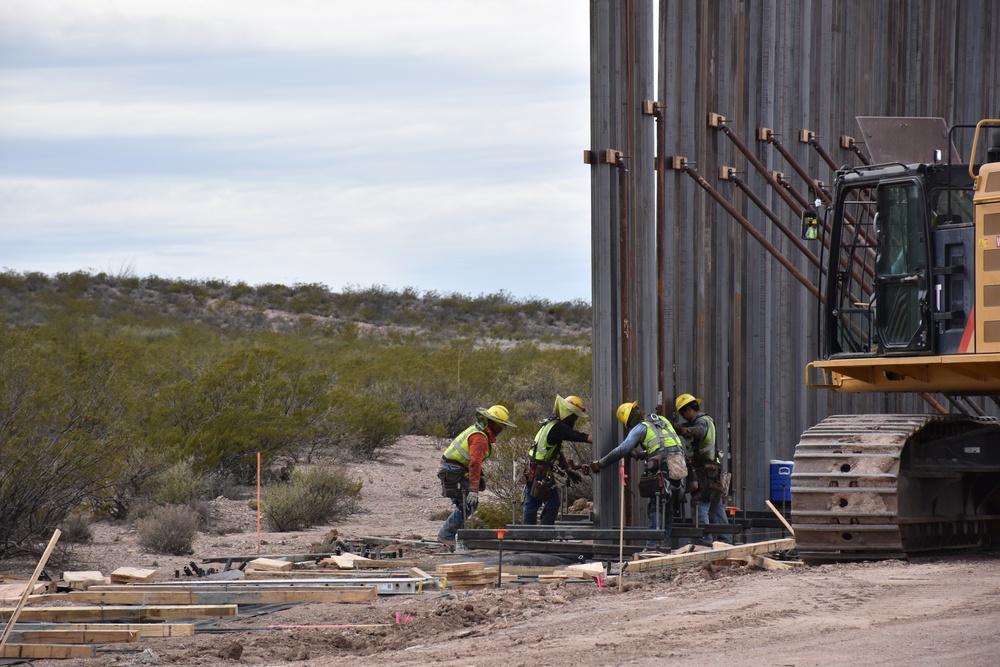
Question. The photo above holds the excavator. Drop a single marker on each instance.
(911, 303)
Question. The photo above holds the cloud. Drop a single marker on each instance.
(382, 142)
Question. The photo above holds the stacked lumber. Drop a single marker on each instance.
(577, 571)
(464, 576)
(713, 554)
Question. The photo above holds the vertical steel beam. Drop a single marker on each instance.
(623, 236)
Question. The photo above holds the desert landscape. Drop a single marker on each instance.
(925, 612)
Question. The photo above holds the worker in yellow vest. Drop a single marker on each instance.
(539, 483)
(461, 470)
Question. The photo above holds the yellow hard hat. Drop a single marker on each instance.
(571, 405)
(683, 400)
(498, 414)
(624, 410)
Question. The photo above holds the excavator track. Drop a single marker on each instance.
(870, 487)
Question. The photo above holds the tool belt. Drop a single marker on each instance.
(710, 482)
(451, 475)
(652, 484)
(539, 476)
(673, 461)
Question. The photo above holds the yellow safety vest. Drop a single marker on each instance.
(458, 451)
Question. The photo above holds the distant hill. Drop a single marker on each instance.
(34, 298)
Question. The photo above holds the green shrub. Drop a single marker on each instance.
(178, 485)
(312, 498)
(495, 514)
(169, 530)
(76, 528)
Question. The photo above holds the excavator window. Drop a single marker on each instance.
(901, 265)
(951, 206)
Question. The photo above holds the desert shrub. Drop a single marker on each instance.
(76, 528)
(494, 514)
(170, 530)
(441, 515)
(179, 484)
(367, 424)
(313, 497)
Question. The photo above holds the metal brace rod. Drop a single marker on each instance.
(782, 227)
(759, 166)
(738, 217)
(822, 153)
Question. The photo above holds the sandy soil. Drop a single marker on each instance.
(926, 612)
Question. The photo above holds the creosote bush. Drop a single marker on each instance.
(169, 530)
(311, 498)
(76, 528)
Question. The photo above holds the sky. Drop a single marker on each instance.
(430, 144)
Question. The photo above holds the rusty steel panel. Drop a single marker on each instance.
(738, 329)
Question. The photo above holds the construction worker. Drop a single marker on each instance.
(540, 488)
(461, 470)
(653, 439)
(706, 464)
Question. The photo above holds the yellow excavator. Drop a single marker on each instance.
(911, 304)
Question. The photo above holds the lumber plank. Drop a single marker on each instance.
(13, 592)
(78, 636)
(456, 568)
(123, 613)
(128, 575)
(83, 578)
(143, 629)
(19, 607)
(386, 564)
(756, 548)
(46, 651)
(342, 562)
(233, 595)
(765, 563)
(270, 564)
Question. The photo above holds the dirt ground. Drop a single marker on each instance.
(925, 612)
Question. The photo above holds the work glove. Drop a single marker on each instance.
(573, 476)
(472, 501)
(595, 466)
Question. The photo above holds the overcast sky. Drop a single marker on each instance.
(433, 144)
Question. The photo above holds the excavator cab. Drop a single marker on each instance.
(911, 304)
(901, 282)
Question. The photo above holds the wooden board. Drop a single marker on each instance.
(386, 564)
(46, 651)
(123, 613)
(12, 592)
(754, 549)
(77, 636)
(270, 564)
(83, 578)
(142, 629)
(343, 561)
(128, 575)
(452, 568)
(233, 595)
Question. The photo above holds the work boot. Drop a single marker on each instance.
(447, 541)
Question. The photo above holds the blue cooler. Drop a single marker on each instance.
(781, 481)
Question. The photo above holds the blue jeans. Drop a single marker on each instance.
(550, 508)
(662, 511)
(456, 520)
(712, 512)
